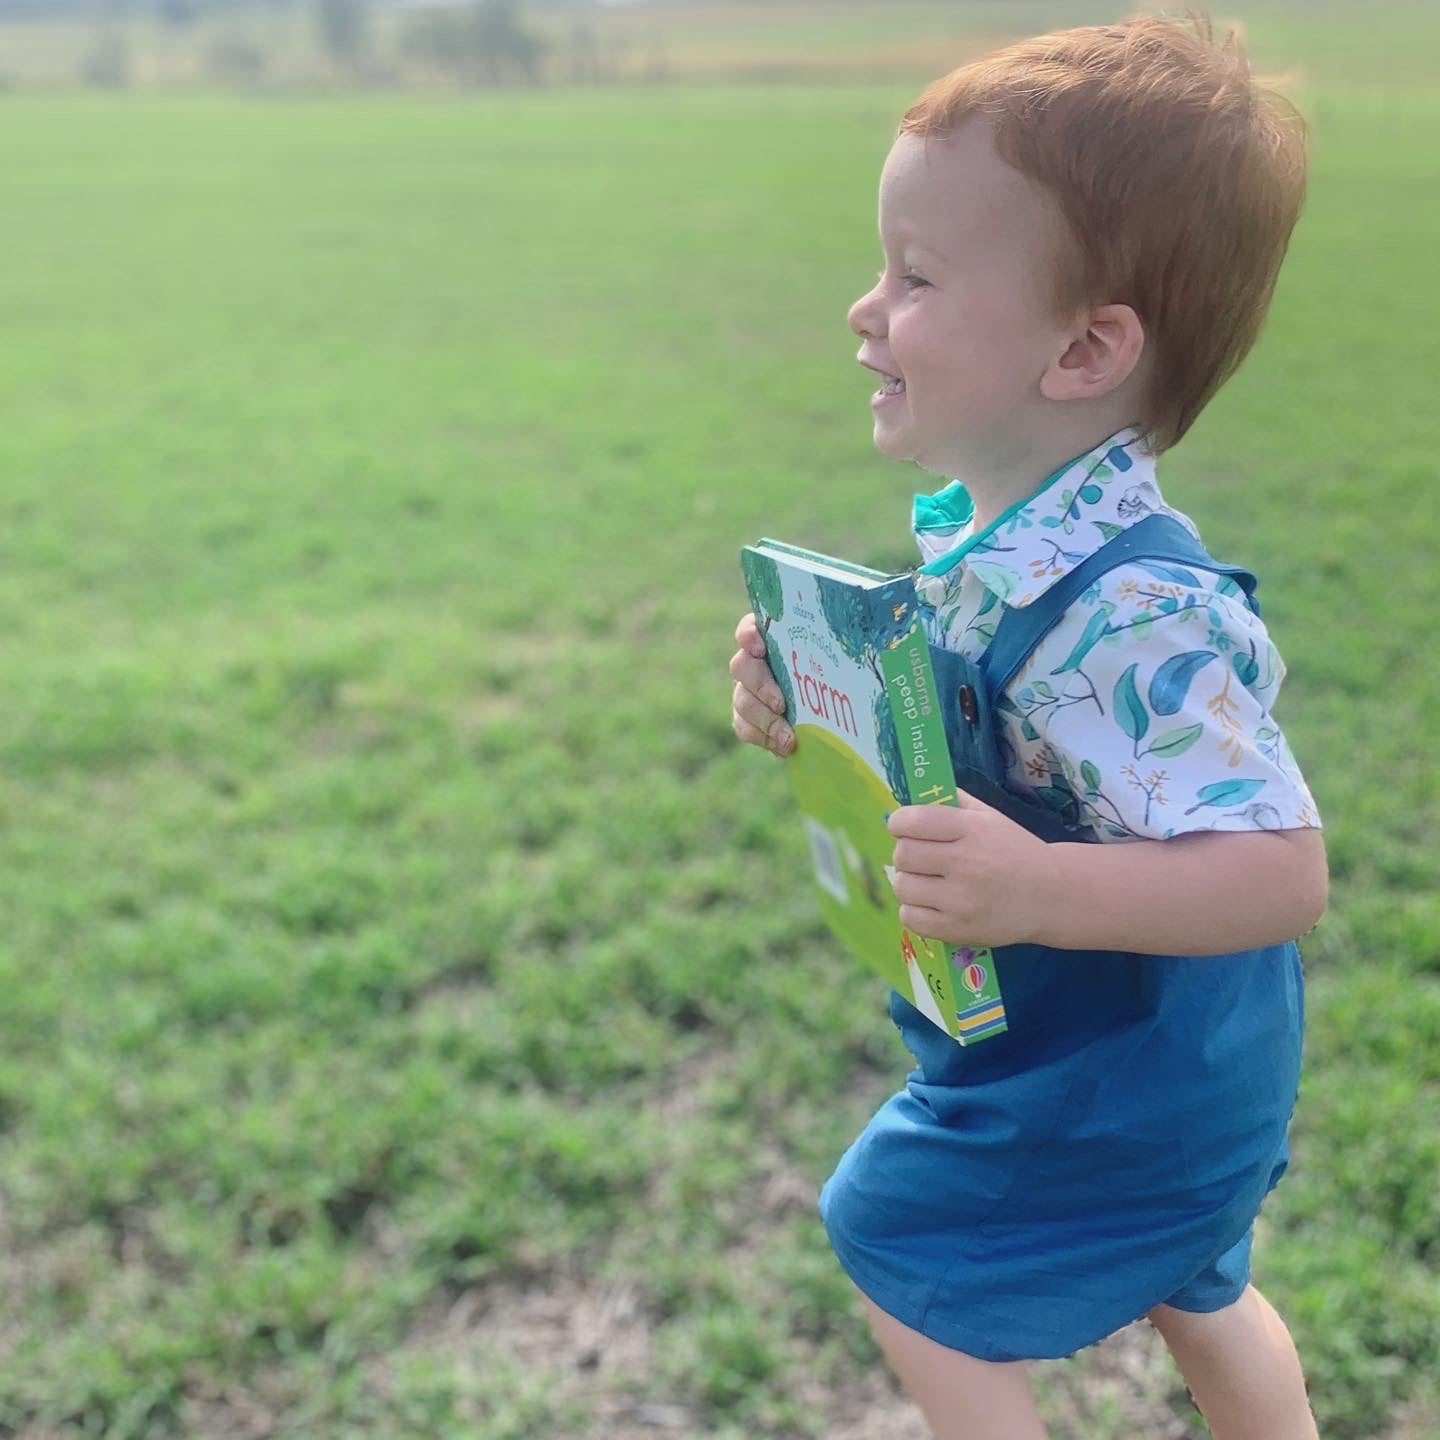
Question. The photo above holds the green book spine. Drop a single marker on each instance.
(925, 757)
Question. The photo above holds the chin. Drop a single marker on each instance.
(891, 446)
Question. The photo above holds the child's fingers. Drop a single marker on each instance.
(756, 724)
(747, 732)
(749, 706)
(921, 857)
(755, 676)
(753, 736)
(748, 636)
(923, 921)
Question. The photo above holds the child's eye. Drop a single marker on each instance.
(911, 282)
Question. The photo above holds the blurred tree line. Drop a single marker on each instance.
(370, 42)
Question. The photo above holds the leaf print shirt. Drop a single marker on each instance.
(1145, 712)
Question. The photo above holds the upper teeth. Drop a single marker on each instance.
(892, 383)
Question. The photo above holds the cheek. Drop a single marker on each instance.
(948, 338)
(923, 343)
(975, 358)
(991, 354)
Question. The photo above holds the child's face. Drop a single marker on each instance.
(960, 311)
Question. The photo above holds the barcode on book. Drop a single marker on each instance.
(826, 855)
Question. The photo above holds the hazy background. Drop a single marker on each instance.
(417, 1018)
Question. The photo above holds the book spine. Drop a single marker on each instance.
(925, 758)
(919, 728)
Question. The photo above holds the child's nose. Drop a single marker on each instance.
(865, 315)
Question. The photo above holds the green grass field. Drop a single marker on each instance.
(417, 1017)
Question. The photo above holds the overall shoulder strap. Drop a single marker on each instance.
(1158, 539)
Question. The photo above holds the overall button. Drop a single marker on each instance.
(968, 708)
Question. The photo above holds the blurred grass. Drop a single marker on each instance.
(393, 917)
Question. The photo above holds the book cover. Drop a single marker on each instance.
(847, 650)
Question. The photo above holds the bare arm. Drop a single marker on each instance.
(1203, 893)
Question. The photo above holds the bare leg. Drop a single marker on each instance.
(961, 1397)
(1240, 1365)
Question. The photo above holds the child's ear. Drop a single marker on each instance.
(1098, 360)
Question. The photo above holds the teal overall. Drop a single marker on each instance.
(1027, 1195)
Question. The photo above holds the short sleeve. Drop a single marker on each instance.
(1145, 712)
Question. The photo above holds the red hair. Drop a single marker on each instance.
(1180, 178)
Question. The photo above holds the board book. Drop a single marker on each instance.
(848, 651)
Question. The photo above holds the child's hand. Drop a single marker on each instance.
(758, 716)
(970, 875)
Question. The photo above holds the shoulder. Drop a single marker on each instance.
(1150, 700)
(1156, 628)
(1150, 607)
(1164, 587)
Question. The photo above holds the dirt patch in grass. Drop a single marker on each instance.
(591, 1342)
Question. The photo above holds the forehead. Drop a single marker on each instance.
(943, 190)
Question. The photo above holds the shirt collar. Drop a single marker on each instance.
(1090, 499)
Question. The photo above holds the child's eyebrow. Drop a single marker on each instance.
(916, 240)
(905, 242)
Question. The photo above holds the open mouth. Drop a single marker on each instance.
(888, 393)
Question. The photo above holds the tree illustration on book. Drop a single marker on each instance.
(852, 620)
(767, 596)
